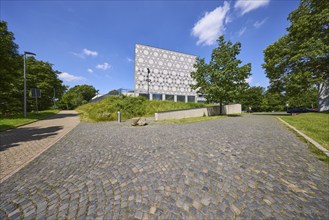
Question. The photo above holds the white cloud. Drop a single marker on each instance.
(90, 70)
(249, 79)
(89, 52)
(258, 24)
(211, 25)
(130, 60)
(69, 77)
(242, 30)
(103, 66)
(85, 52)
(248, 5)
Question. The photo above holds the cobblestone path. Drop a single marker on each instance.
(243, 167)
(21, 145)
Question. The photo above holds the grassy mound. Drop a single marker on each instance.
(107, 109)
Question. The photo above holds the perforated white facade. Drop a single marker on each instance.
(168, 74)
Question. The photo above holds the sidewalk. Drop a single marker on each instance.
(20, 146)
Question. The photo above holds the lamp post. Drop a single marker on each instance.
(26, 53)
(148, 82)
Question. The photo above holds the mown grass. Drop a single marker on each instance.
(129, 107)
(314, 125)
(13, 121)
(193, 120)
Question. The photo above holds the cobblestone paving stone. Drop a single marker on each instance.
(244, 168)
(19, 146)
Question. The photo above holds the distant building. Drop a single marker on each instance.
(163, 74)
(323, 104)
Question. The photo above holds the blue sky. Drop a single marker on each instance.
(92, 42)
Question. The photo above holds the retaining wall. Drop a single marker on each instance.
(198, 112)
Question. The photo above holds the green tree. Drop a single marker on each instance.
(298, 61)
(11, 72)
(114, 92)
(41, 75)
(222, 80)
(78, 95)
(252, 98)
(273, 101)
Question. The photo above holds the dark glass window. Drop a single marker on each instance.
(181, 98)
(157, 96)
(170, 97)
(191, 98)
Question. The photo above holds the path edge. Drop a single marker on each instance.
(313, 142)
(35, 156)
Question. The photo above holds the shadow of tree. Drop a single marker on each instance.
(11, 138)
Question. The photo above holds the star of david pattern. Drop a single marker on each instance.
(169, 71)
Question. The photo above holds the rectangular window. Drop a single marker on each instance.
(191, 98)
(181, 98)
(157, 96)
(170, 97)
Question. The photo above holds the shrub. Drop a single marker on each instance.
(107, 109)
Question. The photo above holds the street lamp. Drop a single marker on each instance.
(148, 82)
(26, 53)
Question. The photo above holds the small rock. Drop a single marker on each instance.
(142, 122)
(134, 121)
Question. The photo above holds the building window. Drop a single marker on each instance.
(157, 96)
(181, 98)
(170, 97)
(191, 98)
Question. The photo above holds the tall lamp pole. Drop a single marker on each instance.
(26, 53)
(148, 82)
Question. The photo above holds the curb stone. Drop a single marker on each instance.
(316, 144)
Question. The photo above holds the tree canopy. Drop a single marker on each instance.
(78, 95)
(298, 62)
(39, 74)
(223, 79)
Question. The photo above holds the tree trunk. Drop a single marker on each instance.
(220, 107)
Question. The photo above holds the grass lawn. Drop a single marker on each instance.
(314, 125)
(193, 120)
(13, 121)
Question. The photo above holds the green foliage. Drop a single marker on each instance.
(78, 95)
(253, 97)
(298, 62)
(107, 109)
(314, 125)
(11, 83)
(15, 120)
(114, 92)
(223, 79)
(38, 74)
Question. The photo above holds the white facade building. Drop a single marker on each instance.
(163, 74)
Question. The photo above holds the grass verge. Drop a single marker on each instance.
(314, 150)
(314, 125)
(13, 121)
(193, 120)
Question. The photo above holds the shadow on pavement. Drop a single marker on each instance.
(13, 137)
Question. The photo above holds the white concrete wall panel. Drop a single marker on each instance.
(170, 71)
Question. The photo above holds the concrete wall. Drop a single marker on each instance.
(198, 112)
(232, 109)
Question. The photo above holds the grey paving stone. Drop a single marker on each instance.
(245, 167)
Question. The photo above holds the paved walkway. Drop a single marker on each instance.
(244, 167)
(21, 145)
